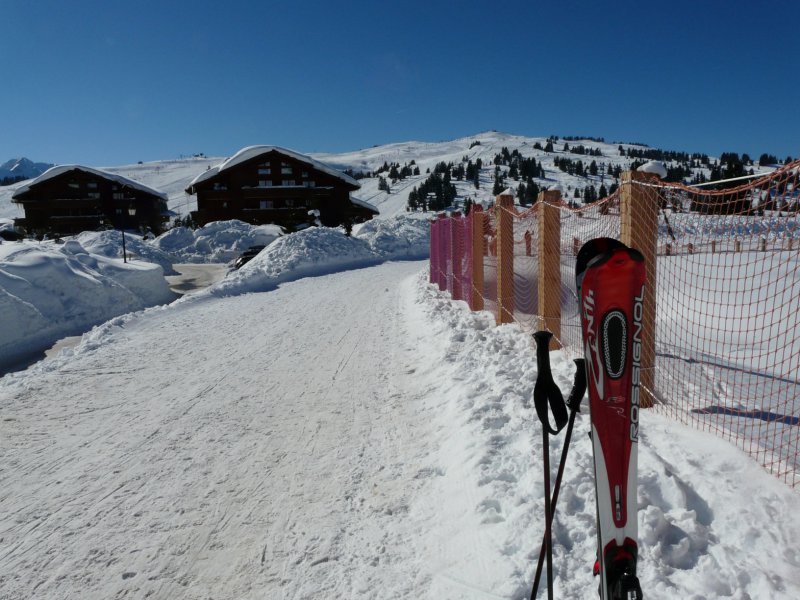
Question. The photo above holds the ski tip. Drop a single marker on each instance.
(593, 248)
(600, 250)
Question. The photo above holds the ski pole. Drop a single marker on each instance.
(574, 404)
(547, 398)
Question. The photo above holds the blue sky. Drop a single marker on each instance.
(108, 83)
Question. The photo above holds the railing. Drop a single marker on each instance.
(722, 352)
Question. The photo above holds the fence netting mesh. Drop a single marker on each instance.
(727, 295)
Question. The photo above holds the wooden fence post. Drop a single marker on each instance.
(504, 204)
(639, 230)
(549, 258)
(478, 222)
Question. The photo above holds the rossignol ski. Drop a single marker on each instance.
(610, 280)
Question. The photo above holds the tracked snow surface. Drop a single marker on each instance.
(303, 431)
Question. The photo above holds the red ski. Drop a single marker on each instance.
(610, 281)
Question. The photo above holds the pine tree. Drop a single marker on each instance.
(498, 185)
(521, 193)
(413, 199)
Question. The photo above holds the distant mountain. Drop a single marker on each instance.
(21, 168)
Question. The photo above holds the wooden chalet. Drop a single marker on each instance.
(268, 184)
(69, 199)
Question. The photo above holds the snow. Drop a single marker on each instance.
(363, 204)
(352, 434)
(109, 244)
(654, 166)
(321, 250)
(216, 242)
(49, 291)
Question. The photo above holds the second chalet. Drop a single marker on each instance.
(268, 184)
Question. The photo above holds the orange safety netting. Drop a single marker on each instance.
(727, 295)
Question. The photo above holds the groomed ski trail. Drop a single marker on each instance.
(269, 454)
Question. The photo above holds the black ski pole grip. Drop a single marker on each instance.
(546, 394)
(578, 386)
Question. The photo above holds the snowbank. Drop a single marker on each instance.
(217, 242)
(705, 509)
(323, 250)
(312, 252)
(398, 238)
(109, 244)
(50, 291)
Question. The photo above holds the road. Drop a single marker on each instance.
(195, 277)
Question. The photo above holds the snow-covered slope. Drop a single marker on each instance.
(173, 176)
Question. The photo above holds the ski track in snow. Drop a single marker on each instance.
(275, 456)
(355, 435)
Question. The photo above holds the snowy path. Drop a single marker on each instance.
(253, 458)
(356, 435)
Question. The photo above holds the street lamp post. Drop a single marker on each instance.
(131, 212)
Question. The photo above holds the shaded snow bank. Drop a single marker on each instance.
(709, 516)
(49, 291)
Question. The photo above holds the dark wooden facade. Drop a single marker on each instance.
(266, 184)
(70, 199)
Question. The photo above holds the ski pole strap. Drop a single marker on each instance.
(578, 386)
(547, 396)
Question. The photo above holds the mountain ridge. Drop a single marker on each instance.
(24, 168)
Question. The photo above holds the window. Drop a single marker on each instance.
(305, 174)
(94, 195)
(92, 185)
(74, 185)
(220, 187)
(309, 184)
(264, 171)
(286, 169)
(288, 182)
(264, 183)
(265, 204)
(118, 196)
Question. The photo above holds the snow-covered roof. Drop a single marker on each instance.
(364, 204)
(251, 152)
(61, 169)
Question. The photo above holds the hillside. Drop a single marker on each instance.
(172, 176)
